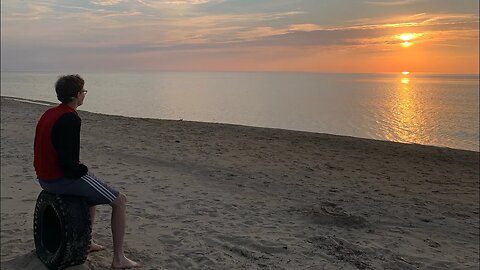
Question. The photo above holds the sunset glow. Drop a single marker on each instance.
(405, 80)
(406, 36)
(405, 72)
(219, 35)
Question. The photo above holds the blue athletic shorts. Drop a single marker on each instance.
(89, 186)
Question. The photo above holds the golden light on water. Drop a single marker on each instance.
(406, 115)
(405, 80)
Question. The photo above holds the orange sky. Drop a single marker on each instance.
(233, 35)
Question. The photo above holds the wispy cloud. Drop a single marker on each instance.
(162, 3)
(51, 11)
(392, 3)
(29, 12)
(421, 19)
(107, 2)
(261, 32)
(132, 27)
(373, 32)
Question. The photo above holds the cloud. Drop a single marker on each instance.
(392, 3)
(372, 31)
(186, 2)
(132, 27)
(106, 2)
(162, 3)
(415, 20)
(306, 27)
(261, 32)
(50, 12)
(225, 28)
(30, 12)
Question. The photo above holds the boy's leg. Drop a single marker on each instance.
(118, 233)
(97, 192)
(94, 246)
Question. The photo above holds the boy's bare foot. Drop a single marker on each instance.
(95, 247)
(124, 263)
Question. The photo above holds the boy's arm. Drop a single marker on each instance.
(66, 140)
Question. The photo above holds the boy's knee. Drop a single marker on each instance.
(121, 200)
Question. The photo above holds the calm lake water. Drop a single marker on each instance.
(441, 110)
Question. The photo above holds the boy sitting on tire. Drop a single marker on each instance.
(58, 168)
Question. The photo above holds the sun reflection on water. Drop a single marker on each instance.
(407, 119)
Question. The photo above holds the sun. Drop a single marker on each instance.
(406, 36)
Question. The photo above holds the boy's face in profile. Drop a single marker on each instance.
(81, 96)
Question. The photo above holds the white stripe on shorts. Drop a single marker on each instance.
(99, 187)
(106, 192)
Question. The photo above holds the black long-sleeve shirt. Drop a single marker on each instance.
(66, 140)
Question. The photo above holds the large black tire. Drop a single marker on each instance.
(61, 230)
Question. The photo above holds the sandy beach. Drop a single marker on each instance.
(217, 196)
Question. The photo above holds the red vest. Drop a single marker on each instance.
(45, 156)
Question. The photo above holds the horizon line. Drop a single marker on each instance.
(236, 71)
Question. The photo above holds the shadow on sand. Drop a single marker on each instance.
(30, 261)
